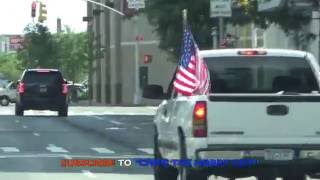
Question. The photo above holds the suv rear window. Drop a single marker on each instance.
(42, 77)
(260, 74)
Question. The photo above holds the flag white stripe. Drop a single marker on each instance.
(183, 79)
(183, 88)
(187, 73)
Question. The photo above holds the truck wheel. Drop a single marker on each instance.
(63, 112)
(160, 172)
(19, 110)
(295, 176)
(267, 175)
(4, 101)
(187, 173)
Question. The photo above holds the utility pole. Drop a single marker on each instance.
(118, 5)
(221, 30)
(117, 86)
(107, 55)
(97, 38)
(137, 94)
(90, 50)
(59, 25)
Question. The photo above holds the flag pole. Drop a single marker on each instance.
(184, 18)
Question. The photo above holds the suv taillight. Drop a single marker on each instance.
(21, 88)
(65, 89)
(199, 123)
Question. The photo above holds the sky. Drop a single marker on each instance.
(16, 14)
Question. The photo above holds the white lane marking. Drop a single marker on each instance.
(53, 148)
(146, 150)
(116, 122)
(136, 127)
(88, 174)
(36, 134)
(73, 156)
(9, 149)
(146, 123)
(114, 128)
(98, 117)
(66, 156)
(24, 127)
(17, 121)
(102, 150)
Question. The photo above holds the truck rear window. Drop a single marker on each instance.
(42, 77)
(261, 75)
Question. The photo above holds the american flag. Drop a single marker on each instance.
(192, 76)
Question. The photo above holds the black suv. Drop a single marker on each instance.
(42, 89)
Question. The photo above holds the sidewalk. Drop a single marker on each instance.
(93, 103)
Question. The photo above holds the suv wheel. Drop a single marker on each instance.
(4, 101)
(160, 172)
(19, 110)
(63, 112)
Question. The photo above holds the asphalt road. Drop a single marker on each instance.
(33, 146)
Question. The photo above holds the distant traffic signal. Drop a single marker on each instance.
(33, 9)
(43, 12)
(147, 59)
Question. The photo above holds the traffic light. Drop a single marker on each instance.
(43, 12)
(245, 4)
(33, 9)
(147, 59)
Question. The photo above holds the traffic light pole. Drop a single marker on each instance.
(137, 95)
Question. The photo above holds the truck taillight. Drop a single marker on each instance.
(199, 123)
(21, 88)
(65, 89)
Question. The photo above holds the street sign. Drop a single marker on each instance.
(136, 4)
(220, 8)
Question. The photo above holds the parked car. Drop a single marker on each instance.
(8, 94)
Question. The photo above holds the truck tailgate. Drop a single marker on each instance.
(269, 116)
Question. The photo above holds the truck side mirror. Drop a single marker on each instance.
(153, 92)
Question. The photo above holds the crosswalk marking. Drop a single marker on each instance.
(36, 134)
(116, 122)
(146, 150)
(56, 149)
(102, 150)
(114, 128)
(9, 149)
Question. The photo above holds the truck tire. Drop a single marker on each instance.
(295, 176)
(160, 172)
(19, 110)
(4, 101)
(63, 112)
(267, 175)
(187, 173)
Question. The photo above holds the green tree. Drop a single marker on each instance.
(9, 66)
(39, 49)
(72, 54)
(165, 15)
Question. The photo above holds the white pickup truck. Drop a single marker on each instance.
(264, 105)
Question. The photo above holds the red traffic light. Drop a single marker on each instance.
(33, 9)
(147, 59)
(34, 5)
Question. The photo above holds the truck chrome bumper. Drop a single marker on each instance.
(236, 151)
